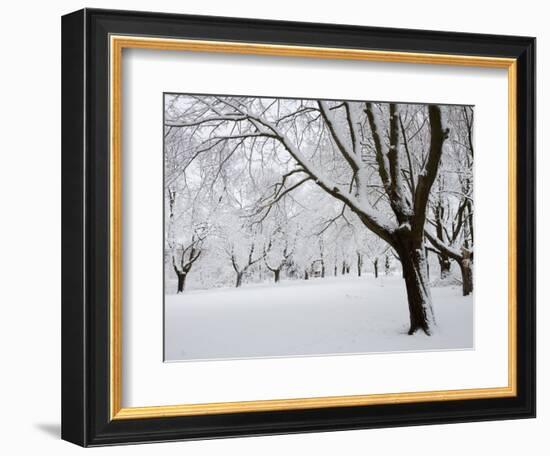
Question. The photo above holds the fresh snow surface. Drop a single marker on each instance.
(329, 316)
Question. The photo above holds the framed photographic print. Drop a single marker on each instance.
(277, 227)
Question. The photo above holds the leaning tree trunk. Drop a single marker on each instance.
(181, 281)
(413, 261)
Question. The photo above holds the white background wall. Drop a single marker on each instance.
(30, 194)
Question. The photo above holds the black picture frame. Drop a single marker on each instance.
(85, 228)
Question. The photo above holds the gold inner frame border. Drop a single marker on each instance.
(116, 46)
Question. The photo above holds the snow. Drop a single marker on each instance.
(337, 315)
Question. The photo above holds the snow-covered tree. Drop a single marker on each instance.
(452, 235)
(343, 169)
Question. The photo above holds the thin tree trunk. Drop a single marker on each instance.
(376, 268)
(359, 264)
(277, 273)
(445, 265)
(427, 263)
(413, 261)
(470, 219)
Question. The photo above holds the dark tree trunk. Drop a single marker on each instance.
(376, 268)
(306, 275)
(343, 267)
(239, 280)
(335, 270)
(427, 266)
(445, 265)
(465, 261)
(322, 269)
(470, 219)
(413, 261)
(181, 281)
(467, 275)
(277, 273)
(359, 264)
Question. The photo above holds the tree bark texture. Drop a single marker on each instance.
(421, 315)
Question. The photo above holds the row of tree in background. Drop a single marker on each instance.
(277, 257)
(260, 189)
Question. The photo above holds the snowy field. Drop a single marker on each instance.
(316, 317)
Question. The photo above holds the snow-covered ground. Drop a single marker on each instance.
(315, 317)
